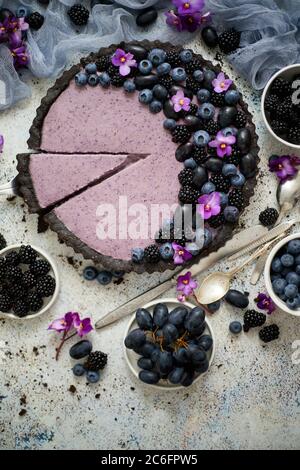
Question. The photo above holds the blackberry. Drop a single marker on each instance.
(2, 242)
(173, 58)
(252, 319)
(78, 14)
(5, 303)
(236, 198)
(211, 126)
(192, 111)
(164, 235)
(35, 302)
(166, 81)
(241, 119)
(216, 221)
(188, 195)
(279, 127)
(27, 254)
(96, 360)
(268, 217)
(221, 183)
(46, 286)
(192, 66)
(17, 291)
(14, 274)
(284, 110)
(35, 20)
(181, 134)
(294, 135)
(20, 308)
(235, 156)
(217, 99)
(193, 85)
(186, 176)
(271, 103)
(117, 80)
(102, 63)
(12, 258)
(229, 41)
(200, 155)
(151, 254)
(3, 268)
(281, 87)
(269, 333)
(180, 237)
(28, 280)
(40, 267)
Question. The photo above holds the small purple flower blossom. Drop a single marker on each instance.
(11, 23)
(64, 323)
(191, 22)
(223, 144)
(180, 102)
(181, 297)
(124, 61)
(83, 327)
(209, 205)
(186, 285)
(1, 143)
(181, 254)
(264, 302)
(20, 56)
(174, 20)
(284, 167)
(188, 7)
(221, 83)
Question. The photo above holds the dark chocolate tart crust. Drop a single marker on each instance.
(26, 187)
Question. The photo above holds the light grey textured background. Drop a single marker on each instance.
(249, 399)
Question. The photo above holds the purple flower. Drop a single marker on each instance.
(11, 23)
(206, 18)
(209, 205)
(20, 56)
(264, 302)
(180, 102)
(181, 297)
(180, 254)
(284, 166)
(84, 326)
(186, 285)
(173, 20)
(124, 61)
(1, 143)
(221, 83)
(188, 7)
(63, 324)
(22, 24)
(223, 144)
(191, 22)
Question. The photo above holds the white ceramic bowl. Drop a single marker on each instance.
(267, 274)
(287, 73)
(131, 357)
(49, 301)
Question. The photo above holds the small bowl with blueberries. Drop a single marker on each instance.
(282, 274)
(169, 344)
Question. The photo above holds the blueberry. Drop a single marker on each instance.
(22, 12)
(275, 276)
(293, 304)
(135, 339)
(129, 86)
(228, 131)
(276, 265)
(287, 260)
(214, 307)
(235, 327)
(104, 80)
(201, 138)
(160, 92)
(92, 376)
(291, 291)
(93, 79)
(104, 278)
(293, 247)
(145, 66)
(90, 273)
(293, 278)
(279, 285)
(149, 377)
(198, 75)
(224, 199)
(297, 269)
(91, 68)
(160, 315)
(157, 56)
(283, 297)
(203, 95)
(238, 180)
(155, 106)
(190, 163)
(186, 56)
(137, 255)
(163, 69)
(232, 97)
(231, 214)
(78, 370)
(80, 349)
(297, 260)
(209, 76)
(81, 79)
(178, 74)
(285, 271)
(208, 188)
(166, 251)
(145, 363)
(169, 124)
(145, 96)
(229, 169)
(206, 111)
(118, 274)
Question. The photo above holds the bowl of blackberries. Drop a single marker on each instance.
(169, 344)
(29, 282)
(281, 106)
(282, 274)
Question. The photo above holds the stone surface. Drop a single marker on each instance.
(250, 399)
